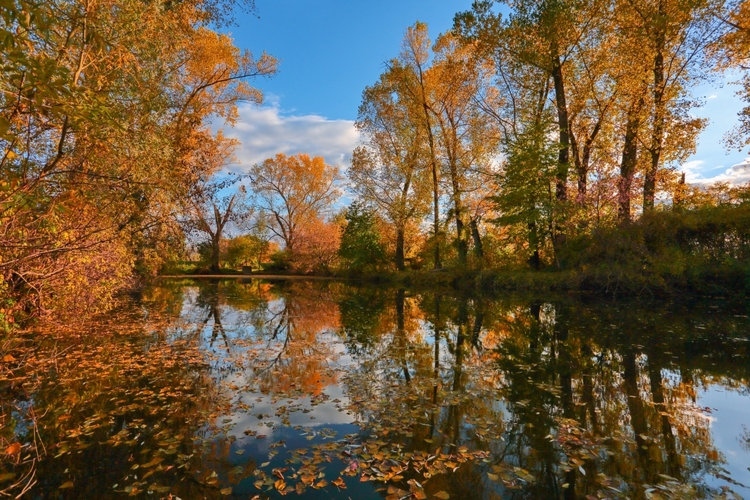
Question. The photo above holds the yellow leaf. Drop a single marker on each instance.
(442, 495)
(226, 491)
(67, 484)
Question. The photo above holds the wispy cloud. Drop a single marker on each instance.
(267, 130)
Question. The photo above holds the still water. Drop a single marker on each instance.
(249, 389)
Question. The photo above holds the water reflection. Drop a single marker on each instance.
(212, 389)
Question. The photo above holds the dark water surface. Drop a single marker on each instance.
(232, 389)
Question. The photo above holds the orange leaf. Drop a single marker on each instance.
(13, 449)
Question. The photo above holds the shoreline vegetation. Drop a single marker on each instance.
(702, 252)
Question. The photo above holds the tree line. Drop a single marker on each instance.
(528, 132)
(517, 138)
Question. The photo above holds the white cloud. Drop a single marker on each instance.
(691, 169)
(737, 174)
(264, 131)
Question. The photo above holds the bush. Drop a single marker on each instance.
(280, 261)
(668, 249)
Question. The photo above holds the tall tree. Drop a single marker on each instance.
(468, 138)
(388, 168)
(733, 49)
(541, 34)
(411, 67)
(672, 36)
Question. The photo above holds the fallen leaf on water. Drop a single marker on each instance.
(13, 449)
(442, 495)
(226, 491)
(67, 484)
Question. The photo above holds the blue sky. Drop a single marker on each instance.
(330, 50)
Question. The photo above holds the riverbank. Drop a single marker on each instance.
(716, 282)
(253, 276)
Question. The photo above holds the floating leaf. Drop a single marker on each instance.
(442, 495)
(66, 485)
(226, 491)
(13, 449)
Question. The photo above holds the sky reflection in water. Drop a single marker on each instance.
(242, 388)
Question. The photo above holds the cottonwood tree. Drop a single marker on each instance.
(295, 191)
(467, 137)
(390, 167)
(672, 37)
(410, 69)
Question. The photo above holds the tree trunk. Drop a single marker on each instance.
(400, 249)
(436, 210)
(478, 248)
(657, 132)
(461, 242)
(628, 163)
(433, 161)
(563, 159)
(215, 253)
(581, 170)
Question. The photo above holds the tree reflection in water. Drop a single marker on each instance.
(433, 394)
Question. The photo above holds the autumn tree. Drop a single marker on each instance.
(410, 70)
(673, 37)
(295, 191)
(317, 247)
(211, 214)
(390, 167)
(733, 50)
(542, 35)
(103, 125)
(468, 137)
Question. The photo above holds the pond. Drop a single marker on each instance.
(252, 389)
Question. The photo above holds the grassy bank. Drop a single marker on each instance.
(700, 252)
